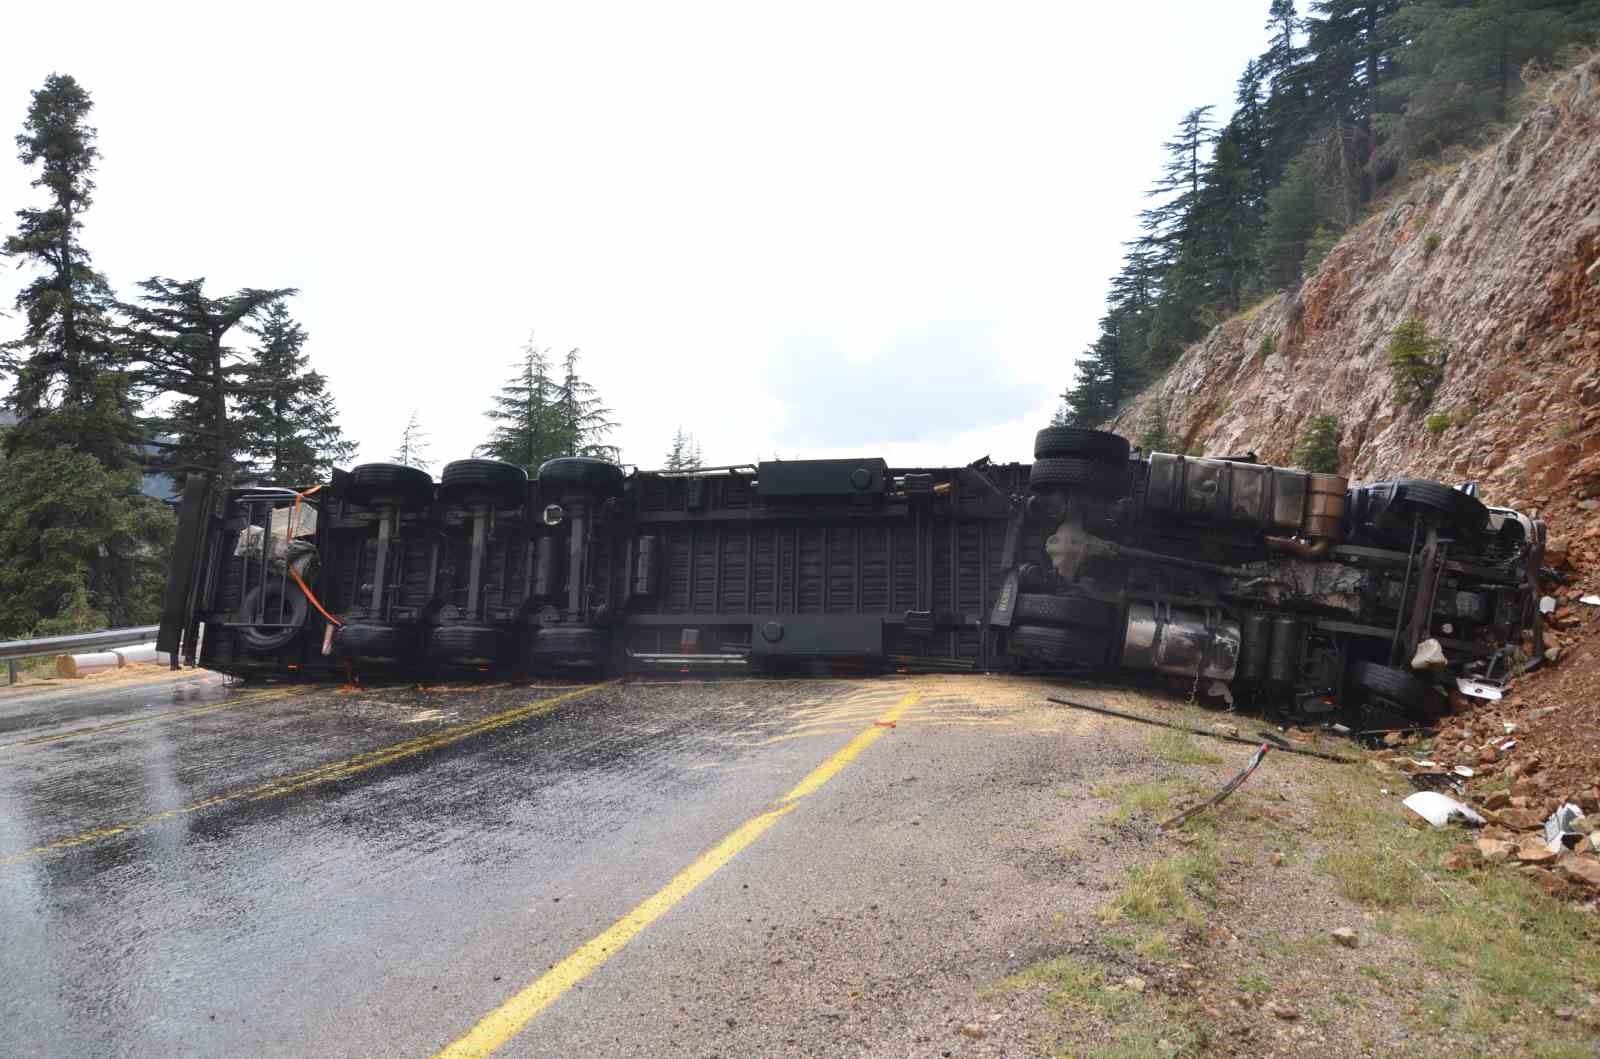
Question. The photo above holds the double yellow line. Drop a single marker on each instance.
(336, 770)
(148, 718)
(507, 1020)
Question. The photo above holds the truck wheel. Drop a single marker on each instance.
(1050, 644)
(266, 600)
(465, 644)
(1389, 506)
(582, 472)
(1064, 610)
(568, 647)
(1098, 445)
(1092, 475)
(483, 478)
(373, 483)
(1391, 684)
(372, 643)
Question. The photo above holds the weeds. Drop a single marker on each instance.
(1438, 423)
(1181, 749)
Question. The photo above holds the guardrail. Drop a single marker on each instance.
(13, 650)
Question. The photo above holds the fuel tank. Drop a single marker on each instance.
(1183, 643)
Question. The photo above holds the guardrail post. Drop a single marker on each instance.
(11, 665)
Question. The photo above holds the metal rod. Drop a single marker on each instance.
(380, 564)
(1405, 588)
(1341, 759)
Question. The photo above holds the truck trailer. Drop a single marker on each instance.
(1305, 594)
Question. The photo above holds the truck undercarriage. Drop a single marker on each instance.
(1291, 591)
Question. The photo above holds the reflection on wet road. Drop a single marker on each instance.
(190, 868)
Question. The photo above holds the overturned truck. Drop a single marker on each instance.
(1296, 591)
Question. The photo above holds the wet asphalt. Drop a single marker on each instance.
(192, 869)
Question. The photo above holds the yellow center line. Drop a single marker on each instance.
(335, 770)
(506, 1021)
(183, 711)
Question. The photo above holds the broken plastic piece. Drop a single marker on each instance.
(1478, 689)
(1439, 809)
(1559, 827)
(1592, 600)
(1547, 604)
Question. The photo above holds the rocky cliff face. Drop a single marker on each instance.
(1501, 257)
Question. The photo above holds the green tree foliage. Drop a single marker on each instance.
(544, 411)
(413, 448)
(1318, 449)
(1345, 94)
(1416, 360)
(684, 453)
(79, 547)
(178, 337)
(1155, 432)
(66, 358)
(287, 419)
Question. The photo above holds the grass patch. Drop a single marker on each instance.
(1153, 796)
(1254, 983)
(1140, 1025)
(1509, 952)
(1173, 890)
(1181, 749)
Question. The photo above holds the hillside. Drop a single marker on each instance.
(1501, 257)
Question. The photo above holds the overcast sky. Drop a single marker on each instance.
(811, 230)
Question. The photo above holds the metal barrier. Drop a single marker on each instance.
(12, 650)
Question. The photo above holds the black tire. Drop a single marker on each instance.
(465, 644)
(1091, 475)
(375, 483)
(1391, 684)
(1097, 445)
(581, 472)
(1071, 646)
(568, 647)
(489, 479)
(380, 643)
(266, 600)
(1392, 505)
(1065, 610)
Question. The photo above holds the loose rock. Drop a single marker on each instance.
(1345, 936)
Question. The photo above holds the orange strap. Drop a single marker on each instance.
(288, 535)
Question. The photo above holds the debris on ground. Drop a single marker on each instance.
(1439, 809)
(1227, 789)
(1345, 936)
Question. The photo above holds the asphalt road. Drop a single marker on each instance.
(778, 867)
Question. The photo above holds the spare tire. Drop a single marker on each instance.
(380, 643)
(1092, 475)
(1050, 644)
(581, 472)
(465, 644)
(1065, 610)
(393, 483)
(267, 600)
(483, 478)
(1390, 506)
(1098, 445)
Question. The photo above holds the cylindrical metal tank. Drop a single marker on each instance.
(1226, 491)
(1325, 503)
(544, 567)
(1183, 643)
(1283, 661)
(1254, 646)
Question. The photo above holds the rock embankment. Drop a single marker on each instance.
(1500, 256)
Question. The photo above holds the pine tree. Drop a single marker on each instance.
(79, 547)
(287, 419)
(684, 452)
(1318, 450)
(527, 413)
(583, 417)
(177, 335)
(69, 387)
(413, 449)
